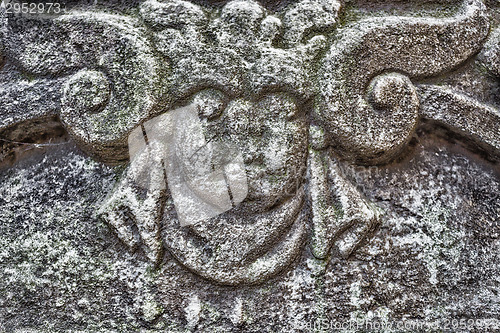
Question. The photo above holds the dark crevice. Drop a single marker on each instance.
(31, 137)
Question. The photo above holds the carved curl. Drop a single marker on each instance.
(374, 130)
(118, 83)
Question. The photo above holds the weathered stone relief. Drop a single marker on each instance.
(295, 91)
(118, 66)
(377, 58)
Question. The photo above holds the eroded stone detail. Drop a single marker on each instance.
(478, 122)
(118, 55)
(373, 129)
(490, 55)
(295, 102)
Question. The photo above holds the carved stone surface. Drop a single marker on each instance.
(364, 138)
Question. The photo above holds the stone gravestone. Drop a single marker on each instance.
(243, 166)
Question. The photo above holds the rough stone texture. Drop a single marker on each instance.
(369, 132)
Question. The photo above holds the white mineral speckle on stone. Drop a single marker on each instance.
(192, 310)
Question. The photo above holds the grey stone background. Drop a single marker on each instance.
(434, 258)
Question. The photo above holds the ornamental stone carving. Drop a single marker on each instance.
(231, 128)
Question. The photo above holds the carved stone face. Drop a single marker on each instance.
(271, 134)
